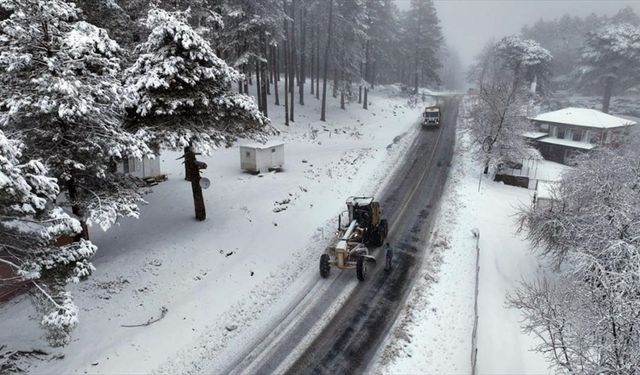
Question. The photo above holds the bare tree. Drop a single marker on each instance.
(587, 312)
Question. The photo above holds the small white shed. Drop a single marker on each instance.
(141, 168)
(262, 157)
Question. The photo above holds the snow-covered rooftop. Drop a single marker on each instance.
(583, 117)
(568, 143)
(263, 145)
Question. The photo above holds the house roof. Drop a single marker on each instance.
(568, 143)
(263, 145)
(583, 117)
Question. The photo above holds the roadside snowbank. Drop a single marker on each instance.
(434, 332)
(222, 279)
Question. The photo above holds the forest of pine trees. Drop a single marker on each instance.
(313, 48)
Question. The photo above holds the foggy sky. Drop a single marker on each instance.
(468, 24)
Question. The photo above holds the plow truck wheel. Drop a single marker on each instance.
(324, 266)
(361, 268)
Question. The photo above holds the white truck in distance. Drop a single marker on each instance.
(431, 117)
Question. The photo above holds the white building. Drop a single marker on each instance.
(563, 133)
(262, 157)
(141, 168)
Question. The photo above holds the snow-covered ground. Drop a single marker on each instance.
(434, 331)
(222, 279)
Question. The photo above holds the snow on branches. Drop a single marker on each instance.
(610, 57)
(30, 223)
(181, 91)
(497, 115)
(64, 95)
(588, 312)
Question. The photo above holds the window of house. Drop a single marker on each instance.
(560, 133)
(248, 154)
(553, 130)
(594, 137)
(568, 134)
(577, 135)
(544, 127)
(125, 165)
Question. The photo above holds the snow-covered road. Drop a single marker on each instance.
(434, 331)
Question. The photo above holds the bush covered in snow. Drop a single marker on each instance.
(587, 312)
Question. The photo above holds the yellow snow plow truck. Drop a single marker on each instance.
(365, 228)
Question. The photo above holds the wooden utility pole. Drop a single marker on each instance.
(194, 167)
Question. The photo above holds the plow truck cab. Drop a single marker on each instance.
(431, 117)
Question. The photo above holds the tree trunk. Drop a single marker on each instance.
(366, 61)
(335, 82)
(365, 103)
(194, 173)
(608, 89)
(265, 76)
(266, 67)
(326, 65)
(292, 62)
(286, 74)
(258, 88)
(318, 61)
(313, 60)
(246, 81)
(303, 57)
(77, 211)
(275, 73)
(373, 73)
(360, 94)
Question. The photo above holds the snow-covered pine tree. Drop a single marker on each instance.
(424, 39)
(381, 55)
(63, 100)
(350, 26)
(525, 60)
(181, 93)
(251, 28)
(108, 14)
(30, 224)
(611, 60)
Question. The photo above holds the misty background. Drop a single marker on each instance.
(467, 25)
